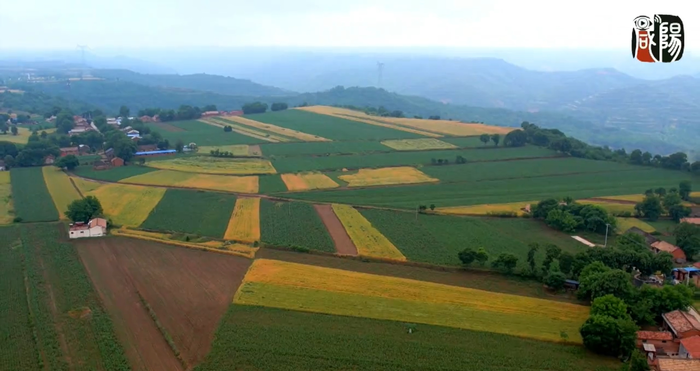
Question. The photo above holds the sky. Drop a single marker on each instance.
(600, 24)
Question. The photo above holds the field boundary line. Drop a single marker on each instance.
(154, 317)
(181, 244)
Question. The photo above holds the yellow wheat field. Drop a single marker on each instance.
(6, 209)
(368, 240)
(334, 291)
(308, 181)
(417, 144)
(86, 186)
(236, 149)
(169, 178)
(276, 129)
(215, 165)
(486, 209)
(244, 225)
(22, 136)
(128, 205)
(61, 189)
(386, 176)
(444, 127)
(623, 224)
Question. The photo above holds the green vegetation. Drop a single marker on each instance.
(503, 191)
(322, 148)
(200, 133)
(295, 164)
(271, 184)
(31, 198)
(196, 212)
(293, 224)
(439, 239)
(340, 343)
(114, 174)
(328, 126)
(466, 142)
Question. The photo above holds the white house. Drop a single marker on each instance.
(94, 228)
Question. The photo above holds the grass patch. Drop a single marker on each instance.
(61, 189)
(271, 184)
(203, 134)
(624, 224)
(114, 174)
(31, 198)
(417, 144)
(200, 213)
(293, 224)
(214, 165)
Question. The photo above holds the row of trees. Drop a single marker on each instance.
(570, 216)
(658, 202)
(505, 262)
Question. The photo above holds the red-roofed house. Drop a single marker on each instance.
(695, 221)
(682, 324)
(678, 364)
(661, 340)
(94, 228)
(678, 254)
(690, 347)
(69, 151)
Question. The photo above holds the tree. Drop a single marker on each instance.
(551, 252)
(649, 208)
(614, 282)
(278, 106)
(84, 209)
(69, 162)
(482, 256)
(124, 112)
(531, 256)
(506, 262)
(555, 280)
(636, 157)
(516, 138)
(64, 122)
(566, 261)
(9, 162)
(678, 212)
(609, 336)
(542, 209)
(638, 362)
(467, 256)
(228, 129)
(255, 107)
(688, 238)
(685, 187)
(495, 138)
(14, 130)
(208, 107)
(485, 138)
(432, 207)
(610, 306)
(661, 191)
(179, 145)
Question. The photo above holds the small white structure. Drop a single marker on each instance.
(94, 228)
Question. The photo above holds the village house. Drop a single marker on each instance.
(109, 153)
(677, 252)
(681, 323)
(133, 134)
(690, 347)
(146, 118)
(677, 364)
(687, 275)
(163, 152)
(147, 148)
(662, 342)
(235, 113)
(114, 121)
(94, 228)
(117, 162)
(695, 221)
(69, 151)
(49, 160)
(648, 238)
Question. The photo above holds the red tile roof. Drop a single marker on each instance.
(98, 222)
(654, 335)
(664, 246)
(691, 220)
(676, 364)
(682, 322)
(79, 226)
(692, 346)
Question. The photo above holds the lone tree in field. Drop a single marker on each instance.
(495, 139)
(467, 256)
(684, 189)
(69, 162)
(82, 210)
(485, 138)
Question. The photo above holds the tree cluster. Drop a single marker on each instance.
(228, 128)
(440, 161)
(219, 153)
(278, 106)
(688, 238)
(570, 216)
(255, 107)
(495, 138)
(658, 202)
(84, 209)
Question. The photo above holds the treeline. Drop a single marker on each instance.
(569, 216)
(260, 107)
(184, 112)
(38, 103)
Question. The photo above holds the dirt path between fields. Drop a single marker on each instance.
(343, 243)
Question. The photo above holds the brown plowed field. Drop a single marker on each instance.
(343, 243)
(189, 291)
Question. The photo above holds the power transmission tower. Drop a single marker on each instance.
(82, 58)
(380, 70)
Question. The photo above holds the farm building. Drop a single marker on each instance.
(662, 341)
(117, 162)
(682, 324)
(156, 153)
(145, 118)
(133, 133)
(114, 121)
(663, 246)
(69, 151)
(94, 228)
(235, 113)
(109, 153)
(147, 148)
(690, 347)
(648, 238)
(687, 274)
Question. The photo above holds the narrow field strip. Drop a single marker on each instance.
(277, 129)
(31, 199)
(514, 207)
(60, 188)
(237, 149)
(6, 209)
(127, 205)
(169, 178)
(368, 240)
(387, 176)
(417, 144)
(331, 111)
(308, 181)
(303, 287)
(244, 225)
(215, 165)
(624, 224)
(342, 241)
(249, 131)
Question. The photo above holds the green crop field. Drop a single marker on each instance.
(196, 212)
(437, 239)
(295, 164)
(322, 148)
(328, 126)
(271, 184)
(200, 133)
(503, 191)
(466, 142)
(256, 338)
(31, 198)
(293, 224)
(114, 174)
(525, 169)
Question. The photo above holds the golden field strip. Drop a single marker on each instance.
(169, 178)
(440, 127)
(368, 240)
(276, 129)
(244, 225)
(623, 224)
(61, 189)
(245, 130)
(6, 209)
(127, 205)
(417, 144)
(309, 288)
(307, 181)
(386, 176)
(236, 149)
(486, 209)
(215, 165)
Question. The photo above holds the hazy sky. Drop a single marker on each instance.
(491, 23)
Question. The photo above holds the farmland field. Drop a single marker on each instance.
(85, 185)
(466, 142)
(417, 144)
(297, 164)
(201, 213)
(213, 165)
(438, 239)
(171, 178)
(613, 207)
(240, 150)
(274, 129)
(203, 134)
(60, 188)
(187, 290)
(262, 135)
(293, 224)
(578, 186)
(6, 210)
(244, 225)
(31, 199)
(284, 285)
(307, 181)
(623, 224)
(330, 127)
(271, 184)
(322, 148)
(339, 343)
(127, 205)
(367, 239)
(514, 207)
(386, 176)
(114, 174)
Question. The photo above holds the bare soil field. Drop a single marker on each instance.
(188, 290)
(343, 243)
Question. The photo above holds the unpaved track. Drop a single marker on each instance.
(343, 243)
